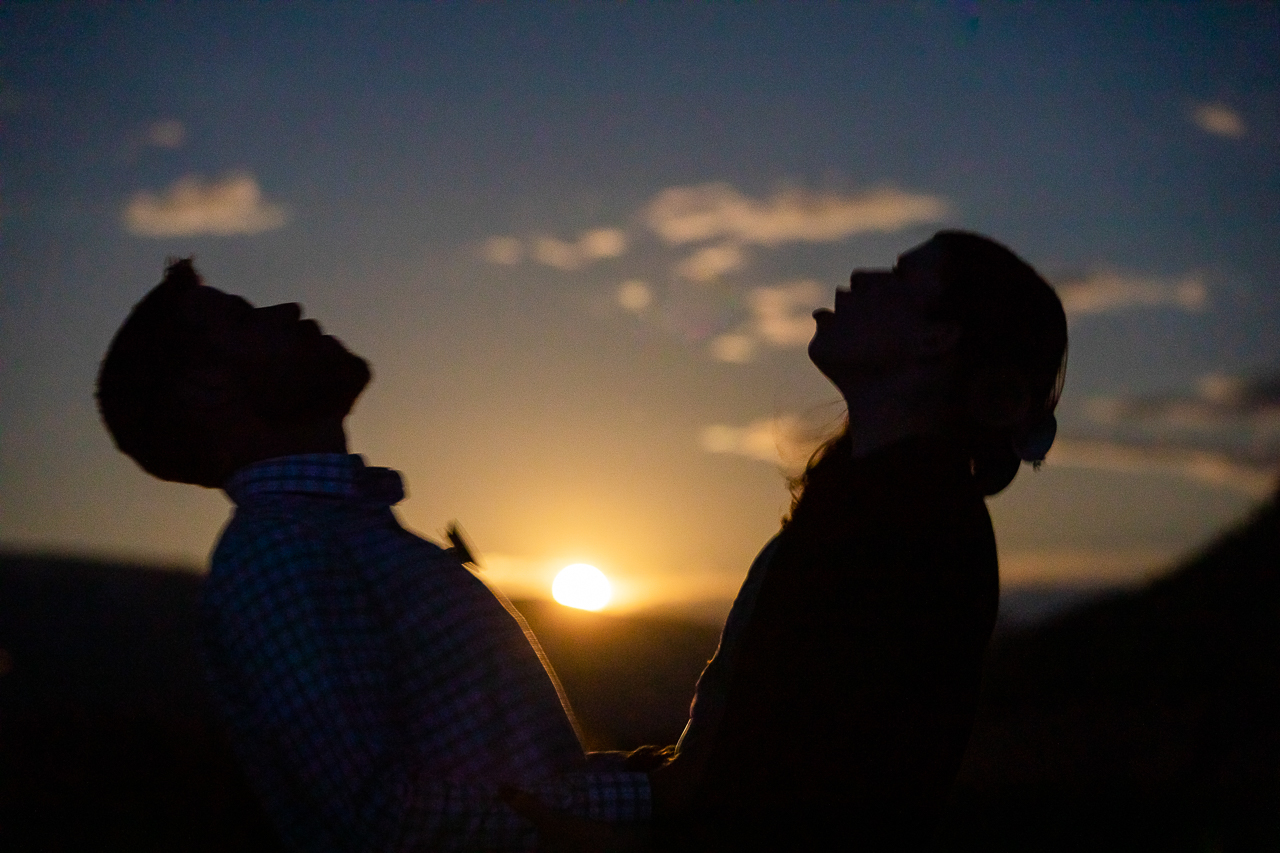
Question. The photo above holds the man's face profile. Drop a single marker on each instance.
(287, 369)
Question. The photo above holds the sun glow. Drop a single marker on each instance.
(581, 586)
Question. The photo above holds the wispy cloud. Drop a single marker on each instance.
(706, 235)
(785, 440)
(782, 314)
(711, 262)
(191, 206)
(1108, 290)
(780, 317)
(168, 133)
(503, 250)
(1218, 401)
(1225, 432)
(592, 245)
(1213, 468)
(1219, 119)
(717, 211)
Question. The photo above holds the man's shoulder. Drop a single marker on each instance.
(268, 535)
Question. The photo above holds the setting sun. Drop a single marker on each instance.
(581, 586)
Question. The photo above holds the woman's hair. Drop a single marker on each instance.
(1012, 326)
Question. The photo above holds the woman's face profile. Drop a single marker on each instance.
(882, 321)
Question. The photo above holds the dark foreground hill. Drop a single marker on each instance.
(1146, 721)
(1149, 720)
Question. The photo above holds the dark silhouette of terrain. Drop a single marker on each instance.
(1148, 720)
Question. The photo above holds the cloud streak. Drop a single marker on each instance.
(1082, 567)
(1219, 119)
(1250, 406)
(712, 262)
(785, 440)
(1213, 468)
(592, 245)
(717, 211)
(1108, 290)
(193, 206)
(1224, 433)
(780, 317)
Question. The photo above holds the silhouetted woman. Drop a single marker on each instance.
(838, 705)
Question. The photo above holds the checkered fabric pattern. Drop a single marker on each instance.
(377, 693)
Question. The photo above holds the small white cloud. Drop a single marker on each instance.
(785, 440)
(232, 205)
(782, 314)
(1109, 290)
(635, 296)
(503, 250)
(602, 243)
(592, 245)
(169, 133)
(1219, 119)
(556, 253)
(718, 211)
(734, 348)
(712, 262)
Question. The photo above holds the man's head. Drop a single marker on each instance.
(198, 382)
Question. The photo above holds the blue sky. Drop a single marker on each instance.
(580, 244)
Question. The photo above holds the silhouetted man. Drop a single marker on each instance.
(376, 692)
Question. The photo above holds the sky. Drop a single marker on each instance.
(580, 245)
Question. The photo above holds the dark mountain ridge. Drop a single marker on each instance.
(1149, 719)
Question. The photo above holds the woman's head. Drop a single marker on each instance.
(977, 320)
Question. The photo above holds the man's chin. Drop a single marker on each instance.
(331, 393)
(337, 397)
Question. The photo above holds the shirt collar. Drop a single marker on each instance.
(333, 474)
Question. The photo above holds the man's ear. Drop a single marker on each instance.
(208, 389)
(998, 397)
(940, 338)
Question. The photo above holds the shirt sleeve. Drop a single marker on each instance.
(323, 751)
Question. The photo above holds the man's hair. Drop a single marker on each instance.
(139, 393)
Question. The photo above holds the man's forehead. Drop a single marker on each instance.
(926, 253)
(204, 301)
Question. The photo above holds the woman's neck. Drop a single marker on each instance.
(917, 400)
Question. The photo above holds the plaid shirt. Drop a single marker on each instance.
(376, 692)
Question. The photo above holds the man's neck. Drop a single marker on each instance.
(915, 401)
(272, 441)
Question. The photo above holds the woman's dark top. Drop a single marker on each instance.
(855, 680)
